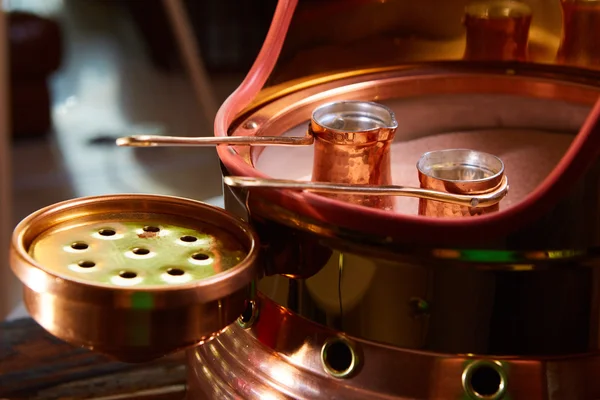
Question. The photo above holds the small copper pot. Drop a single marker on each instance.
(352, 145)
(458, 171)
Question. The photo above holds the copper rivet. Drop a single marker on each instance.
(250, 125)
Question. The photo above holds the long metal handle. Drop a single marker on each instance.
(176, 141)
(477, 201)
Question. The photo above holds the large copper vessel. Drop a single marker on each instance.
(359, 301)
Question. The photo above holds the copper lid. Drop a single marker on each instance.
(134, 276)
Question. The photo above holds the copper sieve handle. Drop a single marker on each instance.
(176, 141)
(476, 201)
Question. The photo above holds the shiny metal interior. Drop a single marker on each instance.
(460, 165)
(347, 116)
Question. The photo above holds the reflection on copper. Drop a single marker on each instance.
(581, 25)
(244, 366)
(352, 145)
(458, 171)
(287, 251)
(72, 305)
(497, 30)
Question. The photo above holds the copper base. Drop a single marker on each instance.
(280, 355)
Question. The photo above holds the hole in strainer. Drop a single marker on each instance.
(200, 256)
(140, 251)
(127, 274)
(188, 239)
(175, 272)
(86, 264)
(79, 246)
(153, 229)
(107, 232)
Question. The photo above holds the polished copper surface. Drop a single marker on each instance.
(283, 356)
(579, 45)
(369, 283)
(134, 276)
(290, 107)
(410, 35)
(497, 301)
(352, 146)
(497, 30)
(458, 171)
(178, 141)
(485, 289)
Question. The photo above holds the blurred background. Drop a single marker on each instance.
(84, 72)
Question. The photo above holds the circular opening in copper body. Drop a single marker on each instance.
(354, 116)
(250, 314)
(461, 166)
(339, 358)
(107, 232)
(79, 246)
(188, 239)
(484, 380)
(152, 229)
(86, 264)
(498, 9)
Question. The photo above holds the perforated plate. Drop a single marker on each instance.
(141, 253)
(134, 276)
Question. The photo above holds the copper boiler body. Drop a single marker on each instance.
(283, 356)
(527, 297)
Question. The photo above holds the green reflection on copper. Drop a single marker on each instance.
(142, 301)
(505, 256)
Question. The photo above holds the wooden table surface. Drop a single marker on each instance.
(35, 365)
